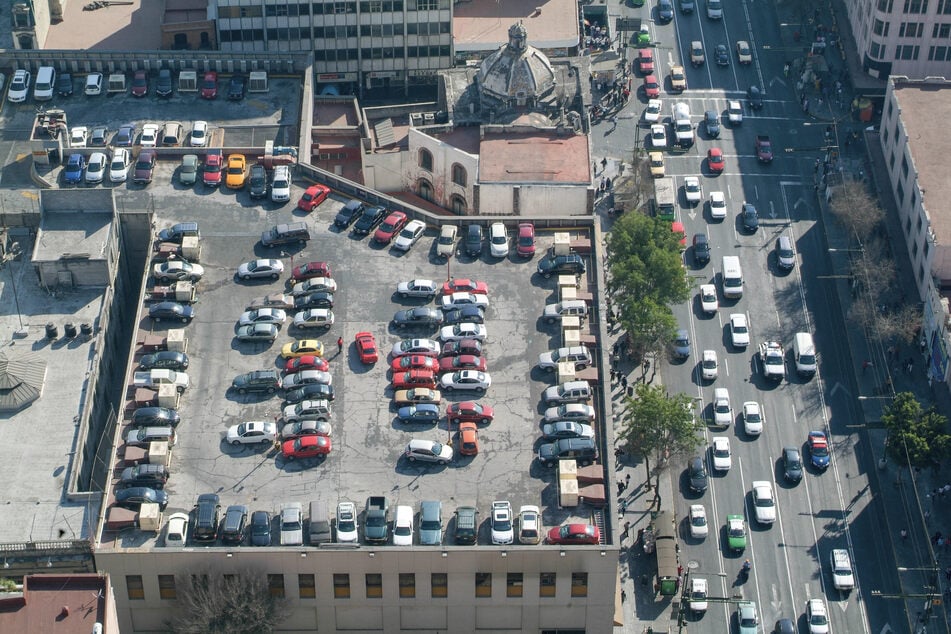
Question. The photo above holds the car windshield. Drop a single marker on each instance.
(722, 452)
(736, 530)
(739, 328)
(235, 169)
(764, 502)
(752, 417)
(699, 520)
(505, 524)
(820, 450)
(143, 164)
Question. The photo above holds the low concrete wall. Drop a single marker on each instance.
(124, 61)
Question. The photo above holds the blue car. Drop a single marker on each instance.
(422, 413)
(74, 169)
(681, 346)
(819, 449)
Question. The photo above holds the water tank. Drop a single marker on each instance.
(69, 330)
(52, 332)
(86, 329)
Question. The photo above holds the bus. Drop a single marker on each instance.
(665, 198)
(665, 544)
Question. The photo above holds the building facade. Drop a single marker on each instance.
(902, 37)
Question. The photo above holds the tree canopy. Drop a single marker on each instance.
(212, 603)
(917, 437)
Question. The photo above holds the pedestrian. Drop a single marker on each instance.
(618, 452)
(622, 507)
(339, 345)
(910, 367)
(620, 488)
(627, 480)
(624, 381)
(947, 573)
(607, 181)
(623, 595)
(680, 571)
(866, 365)
(904, 534)
(604, 163)
(627, 528)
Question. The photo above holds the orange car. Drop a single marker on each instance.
(468, 439)
(236, 172)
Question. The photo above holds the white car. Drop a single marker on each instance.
(458, 300)
(722, 412)
(817, 617)
(347, 523)
(578, 412)
(199, 134)
(281, 184)
(717, 205)
(412, 232)
(708, 298)
(652, 112)
(739, 330)
(722, 456)
(313, 285)
(764, 504)
(465, 330)
(257, 269)
(698, 595)
(78, 136)
(149, 136)
(19, 86)
(446, 242)
(119, 167)
(426, 347)
(529, 524)
(498, 240)
(692, 190)
(314, 318)
(503, 531)
(699, 528)
(403, 526)
(274, 316)
(416, 288)
(658, 135)
(734, 112)
(177, 529)
(465, 380)
(96, 168)
(292, 524)
(709, 366)
(252, 433)
(752, 418)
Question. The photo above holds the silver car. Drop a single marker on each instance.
(260, 269)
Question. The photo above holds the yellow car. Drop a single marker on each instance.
(678, 79)
(302, 347)
(417, 395)
(656, 160)
(236, 171)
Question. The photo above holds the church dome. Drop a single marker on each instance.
(516, 71)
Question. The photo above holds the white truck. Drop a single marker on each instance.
(155, 378)
(773, 359)
(683, 129)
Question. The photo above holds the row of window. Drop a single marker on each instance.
(425, 161)
(386, 52)
(373, 585)
(914, 29)
(291, 9)
(915, 6)
(288, 33)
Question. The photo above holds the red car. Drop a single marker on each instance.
(525, 245)
(209, 85)
(715, 160)
(462, 362)
(314, 195)
(311, 269)
(470, 412)
(677, 228)
(464, 285)
(366, 347)
(305, 447)
(414, 378)
(414, 362)
(645, 60)
(307, 362)
(140, 83)
(651, 87)
(211, 174)
(463, 346)
(390, 227)
(468, 439)
(574, 534)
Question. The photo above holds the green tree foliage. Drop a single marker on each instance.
(656, 424)
(646, 278)
(211, 603)
(917, 437)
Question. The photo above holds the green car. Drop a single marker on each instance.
(746, 617)
(736, 532)
(189, 170)
(644, 36)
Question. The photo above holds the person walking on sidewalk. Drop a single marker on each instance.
(339, 345)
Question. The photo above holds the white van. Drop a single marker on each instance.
(732, 277)
(45, 83)
(804, 351)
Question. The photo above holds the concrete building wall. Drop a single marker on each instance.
(893, 42)
(532, 199)
(440, 177)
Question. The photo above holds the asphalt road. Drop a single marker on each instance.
(831, 509)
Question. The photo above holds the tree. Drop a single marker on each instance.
(634, 187)
(657, 424)
(916, 436)
(212, 603)
(853, 207)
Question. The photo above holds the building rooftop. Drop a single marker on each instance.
(72, 234)
(533, 157)
(133, 27)
(59, 604)
(481, 25)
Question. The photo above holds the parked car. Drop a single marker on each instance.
(529, 524)
(261, 269)
(501, 523)
(390, 227)
(253, 432)
(125, 136)
(426, 347)
(306, 447)
(574, 534)
(469, 411)
(163, 87)
(211, 172)
(525, 243)
(292, 522)
(422, 413)
(199, 134)
(177, 271)
(446, 242)
(135, 497)
(95, 168)
(256, 381)
(312, 197)
(78, 136)
(470, 380)
(465, 285)
(307, 362)
(209, 85)
(571, 264)
(171, 311)
(369, 219)
(144, 167)
(416, 288)
(155, 417)
(75, 166)
(140, 83)
(188, 171)
(236, 87)
(281, 184)
(409, 235)
(428, 451)
(19, 86)
(473, 244)
(168, 359)
(498, 240)
(419, 316)
(260, 528)
(264, 332)
(274, 316)
(236, 171)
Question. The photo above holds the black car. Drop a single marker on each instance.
(371, 217)
(422, 413)
(260, 528)
(268, 381)
(722, 55)
(750, 218)
(144, 475)
(571, 263)
(172, 311)
(711, 121)
(466, 314)
(697, 475)
(348, 213)
(64, 85)
(179, 231)
(665, 11)
(755, 96)
(235, 525)
(155, 417)
(462, 346)
(236, 88)
(701, 248)
(473, 244)
(167, 359)
(257, 181)
(420, 316)
(207, 512)
(163, 87)
(309, 392)
(319, 299)
(134, 497)
(792, 464)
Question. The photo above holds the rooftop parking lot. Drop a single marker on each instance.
(367, 438)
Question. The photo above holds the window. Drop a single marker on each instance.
(341, 586)
(134, 588)
(459, 175)
(546, 584)
(579, 584)
(901, 196)
(911, 29)
(944, 7)
(275, 584)
(939, 53)
(906, 52)
(942, 31)
(880, 28)
(166, 587)
(425, 5)
(440, 585)
(915, 6)
(426, 159)
(900, 191)
(306, 587)
(904, 167)
(876, 50)
(374, 586)
(513, 584)
(483, 584)
(407, 585)
(885, 6)
(458, 205)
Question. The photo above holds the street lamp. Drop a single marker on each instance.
(14, 252)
